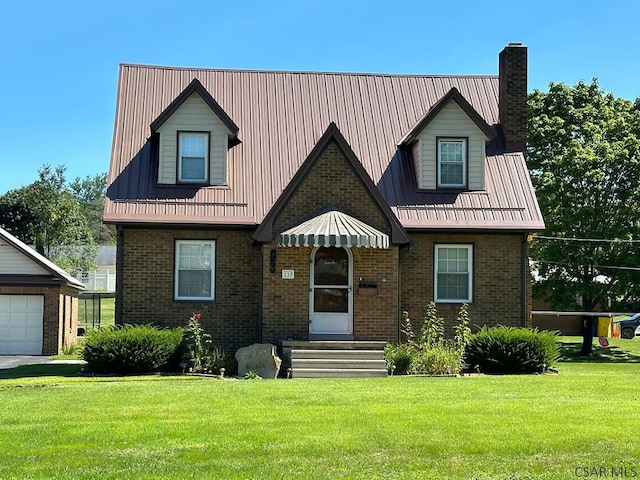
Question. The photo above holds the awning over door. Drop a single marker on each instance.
(333, 229)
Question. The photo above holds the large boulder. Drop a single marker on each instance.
(260, 358)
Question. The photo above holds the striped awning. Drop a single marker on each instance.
(333, 229)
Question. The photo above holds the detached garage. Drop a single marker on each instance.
(38, 301)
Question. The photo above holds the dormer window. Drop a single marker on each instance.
(452, 162)
(193, 135)
(448, 145)
(193, 159)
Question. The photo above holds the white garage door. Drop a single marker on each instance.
(21, 319)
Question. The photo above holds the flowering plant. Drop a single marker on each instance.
(198, 342)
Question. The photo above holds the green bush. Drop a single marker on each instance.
(444, 359)
(399, 358)
(508, 350)
(132, 349)
(429, 352)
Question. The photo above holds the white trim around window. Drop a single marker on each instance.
(452, 162)
(193, 157)
(194, 275)
(453, 273)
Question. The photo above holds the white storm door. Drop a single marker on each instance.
(331, 292)
(21, 318)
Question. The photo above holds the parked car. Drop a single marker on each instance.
(628, 327)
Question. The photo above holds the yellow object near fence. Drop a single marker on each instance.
(604, 328)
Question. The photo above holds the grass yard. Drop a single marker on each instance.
(55, 424)
(88, 313)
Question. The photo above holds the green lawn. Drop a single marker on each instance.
(55, 424)
(88, 312)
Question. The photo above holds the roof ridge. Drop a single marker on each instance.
(301, 72)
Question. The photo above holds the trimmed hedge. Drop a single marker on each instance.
(508, 350)
(132, 349)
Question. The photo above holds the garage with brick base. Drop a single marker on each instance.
(38, 302)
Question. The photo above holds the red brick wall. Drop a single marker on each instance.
(512, 65)
(331, 182)
(497, 279)
(285, 309)
(376, 316)
(286, 302)
(68, 317)
(147, 282)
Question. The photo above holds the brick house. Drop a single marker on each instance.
(319, 206)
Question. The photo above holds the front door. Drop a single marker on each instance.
(331, 292)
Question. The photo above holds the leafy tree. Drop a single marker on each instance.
(90, 193)
(17, 216)
(584, 159)
(48, 215)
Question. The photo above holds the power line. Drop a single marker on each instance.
(603, 240)
(610, 267)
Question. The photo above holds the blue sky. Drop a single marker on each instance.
(60, 59)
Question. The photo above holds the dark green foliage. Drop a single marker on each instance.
(132, 349)
(508, 350)
(399, 358)
(583, 154)
(218, 358)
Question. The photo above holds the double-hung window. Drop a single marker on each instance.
(194, 270)
(452, 162)
(453, 273)
(193, 158)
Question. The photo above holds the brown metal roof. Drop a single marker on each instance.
(264, 231)
(462, 102)
(280, 117)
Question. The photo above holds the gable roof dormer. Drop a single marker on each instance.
(194, 134)
(332, 135)
(449, 144)
(196, 87)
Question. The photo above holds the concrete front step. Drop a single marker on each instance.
(337, 372)
(334, 345)
(355, 355)
(317, 362)
(338, 363)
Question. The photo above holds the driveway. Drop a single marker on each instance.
(12, 361)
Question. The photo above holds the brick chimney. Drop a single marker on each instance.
(513, 96)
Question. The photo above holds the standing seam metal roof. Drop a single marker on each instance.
(280, 117)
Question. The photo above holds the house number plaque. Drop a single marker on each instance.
(288, 274)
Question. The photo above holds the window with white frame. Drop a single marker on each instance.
(194, 270)
(193, 158)
(453, 277)
(452, 162)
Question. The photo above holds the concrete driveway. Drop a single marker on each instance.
(12, 361)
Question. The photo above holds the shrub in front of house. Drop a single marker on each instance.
(429, 352)
(511, 350)
(132, 349)
(399, 358)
